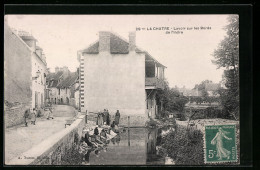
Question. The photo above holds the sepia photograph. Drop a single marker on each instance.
(103, 90)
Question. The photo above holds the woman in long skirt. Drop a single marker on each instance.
(100, 119)
(33, 118)
(117, 117)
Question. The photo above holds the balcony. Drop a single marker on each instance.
(154, 83)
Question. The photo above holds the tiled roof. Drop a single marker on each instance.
(67, 82)
(38, 48)
(54, 76)
(52, 83)
(117, 46)
(27, 37)
(52, 79)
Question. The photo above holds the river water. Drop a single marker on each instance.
(136, 146)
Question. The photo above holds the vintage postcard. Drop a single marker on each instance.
(121, 90)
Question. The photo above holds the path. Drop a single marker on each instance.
(19, 139)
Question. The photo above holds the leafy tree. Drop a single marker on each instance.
(202, 88)
(227, 56)
(172, 99)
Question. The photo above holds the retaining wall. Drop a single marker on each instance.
(15, 115)
(51, 150)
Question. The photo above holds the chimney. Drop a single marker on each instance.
(104, 41)
(28, 39)
(65, 71)
(132, 38)
(57, 69)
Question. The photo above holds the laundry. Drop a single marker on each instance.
(95, 139)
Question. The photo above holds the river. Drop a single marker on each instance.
(136, 146)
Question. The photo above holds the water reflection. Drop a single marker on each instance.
(152, 156)
(136, 146)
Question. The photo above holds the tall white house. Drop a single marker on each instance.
(117, 75)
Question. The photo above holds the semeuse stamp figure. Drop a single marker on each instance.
(220, 143)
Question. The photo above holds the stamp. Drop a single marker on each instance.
(220, 143)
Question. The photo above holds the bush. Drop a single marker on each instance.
(182, 117)
(185, 147)
(207, 113)
(150, 123)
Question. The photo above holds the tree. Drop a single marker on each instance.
(172, 99)
(227, 56)
(202, 88)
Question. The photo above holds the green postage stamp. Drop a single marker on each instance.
(220, 143)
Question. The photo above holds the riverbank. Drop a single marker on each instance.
(185, 145)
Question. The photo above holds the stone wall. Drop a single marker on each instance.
(14, 116)
(17, 77)
(53, 149)
(73, 103)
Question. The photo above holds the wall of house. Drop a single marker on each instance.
(17, 77)
(76, 97)
(38, 85)
(64, 94)
(54, 93)
(115, 82)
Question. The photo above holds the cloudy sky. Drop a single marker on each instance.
(187, 56)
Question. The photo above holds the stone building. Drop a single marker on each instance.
(24, 75)
(62, 86)
(117, 75)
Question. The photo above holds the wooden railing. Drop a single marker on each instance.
(154, 81)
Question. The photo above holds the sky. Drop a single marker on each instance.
(187, 56)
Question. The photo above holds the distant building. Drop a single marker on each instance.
(117, 75)
(25, 71)
(211, 88)
(62, 86)
(189, 92)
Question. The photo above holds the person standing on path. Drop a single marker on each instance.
(33, 116)
(50, 114)
(100, 119)
(108, 118)
(26, 116)
(117, 118)
(105, 116)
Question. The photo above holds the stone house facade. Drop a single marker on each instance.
(117, 75)
(24, 75)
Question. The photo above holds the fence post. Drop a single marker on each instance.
(86, 117)
(128, 122)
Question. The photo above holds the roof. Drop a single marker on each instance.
(70, 80)
(118, 45)
(53, 79)
(38, 48)
(212, 86)
(54, 76)
(53, 83)
(27, 37)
